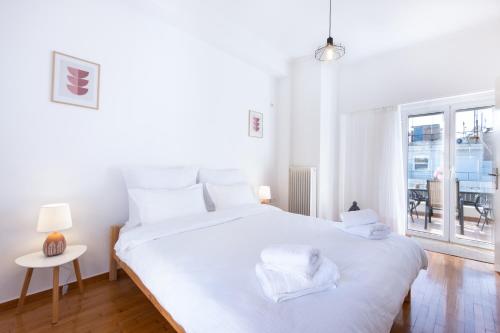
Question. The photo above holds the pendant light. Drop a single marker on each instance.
(331, 50)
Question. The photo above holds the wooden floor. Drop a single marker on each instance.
(454, 295)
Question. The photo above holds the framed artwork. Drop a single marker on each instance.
(75, 81)
(255, 124)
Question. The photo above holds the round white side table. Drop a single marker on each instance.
(39, 260)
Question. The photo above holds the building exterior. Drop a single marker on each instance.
(473, 158)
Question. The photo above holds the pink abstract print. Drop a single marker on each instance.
(256, 124)
(76, 81)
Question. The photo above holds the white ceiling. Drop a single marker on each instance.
(279, 29)
(366, 26)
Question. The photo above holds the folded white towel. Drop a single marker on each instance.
(281, 286)
(359, 217)
(302, 260)
(369, 231)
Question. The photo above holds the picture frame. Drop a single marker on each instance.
(75, 81)
(255, 124)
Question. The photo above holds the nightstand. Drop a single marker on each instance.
(39, 260)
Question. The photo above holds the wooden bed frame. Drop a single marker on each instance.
(115, 263)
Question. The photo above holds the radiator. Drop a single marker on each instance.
(302, 190)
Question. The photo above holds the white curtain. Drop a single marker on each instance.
(497, 152)
(371, 164)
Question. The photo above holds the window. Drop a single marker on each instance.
(421, 163)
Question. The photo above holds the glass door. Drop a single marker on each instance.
(475, 174)
(451, 171)
(426, 185)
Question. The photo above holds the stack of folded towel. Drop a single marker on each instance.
(364, 223)
(290, 271)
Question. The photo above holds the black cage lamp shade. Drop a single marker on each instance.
(331, 51)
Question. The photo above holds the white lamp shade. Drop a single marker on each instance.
(54, 217)
(265, 192)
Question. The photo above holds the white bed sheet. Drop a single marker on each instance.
(201, 269)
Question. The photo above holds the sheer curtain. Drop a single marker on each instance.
(497, 152)
(371, 164)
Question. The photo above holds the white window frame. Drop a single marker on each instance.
(448, 107)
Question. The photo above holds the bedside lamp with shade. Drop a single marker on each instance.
(54, 218)
(265, 194)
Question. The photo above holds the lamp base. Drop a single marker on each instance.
(54, 245)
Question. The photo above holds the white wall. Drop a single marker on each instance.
(328, 143)
(166, 99)
(461, 63)
(283, 109)
(312, 135)
(306, 91)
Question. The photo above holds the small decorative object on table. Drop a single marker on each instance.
(354, 206)
(265, 194)
(54, 218)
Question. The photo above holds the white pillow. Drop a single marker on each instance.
(227, 196)
(221, 176)
(155, 206)
(155, 178)
(359, 217)
(160, 178)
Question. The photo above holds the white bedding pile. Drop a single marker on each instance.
(292, 258)
(201, 269)
(375, 231)
(282, 285)
(364, 223)
(289, 271)
(359, 217)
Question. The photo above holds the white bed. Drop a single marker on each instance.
(201, 269)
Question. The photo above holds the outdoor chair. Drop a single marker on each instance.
(482, 205)
(434, 199)
(414, 200)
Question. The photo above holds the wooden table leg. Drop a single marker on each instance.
(24, 289)
(76, 265)
(55, 294)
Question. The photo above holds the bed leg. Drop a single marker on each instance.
(113, 264)
(113, 270)
(408, 297)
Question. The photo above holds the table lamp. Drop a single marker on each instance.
(265, 194)
(54, 218)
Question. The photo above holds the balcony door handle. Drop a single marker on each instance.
(496, 177)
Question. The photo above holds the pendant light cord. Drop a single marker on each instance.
(330, 21)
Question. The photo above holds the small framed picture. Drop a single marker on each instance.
(255, 124)
(75, 81)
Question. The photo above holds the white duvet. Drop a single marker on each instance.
(201, 270)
